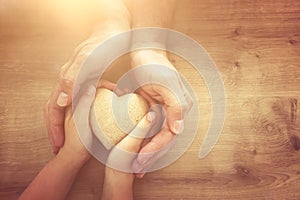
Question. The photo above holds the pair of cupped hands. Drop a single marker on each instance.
(172, 96)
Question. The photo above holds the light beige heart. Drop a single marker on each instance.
(111, 125)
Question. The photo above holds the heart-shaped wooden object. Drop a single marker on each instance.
(113, 117)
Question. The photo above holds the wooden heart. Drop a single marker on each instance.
(111, 125)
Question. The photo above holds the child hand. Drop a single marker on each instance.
(76, 145)
(73, 146)
(118, 181)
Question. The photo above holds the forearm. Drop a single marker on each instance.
(152, 13)
(113, 17)
(55, 179)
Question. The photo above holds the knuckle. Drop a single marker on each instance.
(181, 107)
(81, 57)
(64, 68)
(66, 80)
(184, 108)
(184, 105)
(81, 48)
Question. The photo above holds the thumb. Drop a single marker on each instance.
(176, 106)
(178, 103)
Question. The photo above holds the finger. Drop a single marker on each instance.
(74, 55)
(81, 51)
(61, 98)
(189, 101)
(188, 97)
(155, 149)
(146, 96)
(141, 169)
(46, 114)
(140, 175)
(55, 120)
(81, 115)
(156, 145)
(106, 84)
(66, 85)
(160, 114)
(113, 87)
(134, 139)
(177, 113)
(175, 105)
(120, 92)
(166, 85)
(69, 71)
(169, 91)
(123, 154)
(175, 118)
(174, 96)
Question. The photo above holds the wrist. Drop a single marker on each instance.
(109, 28)
(150, 56)
(117, 185)
(117, 179)
(74, 158)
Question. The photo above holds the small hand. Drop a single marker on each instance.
(73, 146)
(56, 178)
(118, 173)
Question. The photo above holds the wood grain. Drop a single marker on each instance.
(256, 46)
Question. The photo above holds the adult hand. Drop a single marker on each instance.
(73, 146)
(167, 89)
(62, 95)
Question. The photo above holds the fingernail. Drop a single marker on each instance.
(141, 175)
(151, 116)
(62, 99)
(54, 150)
(178, 126)
(118, 91)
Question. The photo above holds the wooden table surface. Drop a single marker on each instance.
(256, 46)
